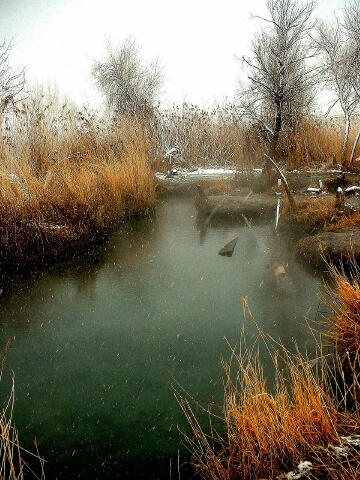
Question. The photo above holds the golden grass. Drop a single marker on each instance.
(59, 190)
(314, 143)
(317, 142)
(343, 327)
(312, 214)
(348, 221)
(12, 463)
(270, 427)
(221, 136)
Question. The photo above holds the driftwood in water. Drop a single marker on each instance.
(225, 206)
(228, 249)
(283, 178)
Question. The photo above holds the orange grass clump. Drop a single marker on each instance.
(12, 463)
(269, 428)
(60, 189)
(344, 324)
(348, 221)
(312, 214)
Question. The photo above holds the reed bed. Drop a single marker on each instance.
(347, 221)
(311, 215)
(221, 136)
(321, 214)
(316, 143)
(67, 180)
(205, 138)
(304, 423)
(14, 460)
(343, 326)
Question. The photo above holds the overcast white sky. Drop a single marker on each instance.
(195, 40)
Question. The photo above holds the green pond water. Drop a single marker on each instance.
(95, 342)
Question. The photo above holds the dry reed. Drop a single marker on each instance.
(345, 222)
(221, 136)
(13, 465)
(270, 428)
(343, 326)
(311, 215)
(67, 180)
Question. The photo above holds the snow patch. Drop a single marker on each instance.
(353, 440)
(302, 469)
(348, 443)
(209, 171)
(354, 189)
(198, 172)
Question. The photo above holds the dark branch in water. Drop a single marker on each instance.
(283, 178)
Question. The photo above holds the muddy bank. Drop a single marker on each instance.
(336, 247)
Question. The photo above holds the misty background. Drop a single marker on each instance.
(196, 42)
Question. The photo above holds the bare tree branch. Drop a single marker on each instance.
(280, 82)
(128, 84)
(11, 82)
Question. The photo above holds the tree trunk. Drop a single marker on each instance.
(354, 148)
(346, 139)
(277, 129)
(275, 138)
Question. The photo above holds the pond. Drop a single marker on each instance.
(96, 342)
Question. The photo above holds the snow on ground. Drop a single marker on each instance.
(203, 172)
(210, 171)
(301, 470)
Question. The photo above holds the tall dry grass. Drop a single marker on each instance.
(314, 143)
(266, 429)
(212, 137)
(311, 215)
(13, 458)
(221, 136)
(343, 326)
(67, 179)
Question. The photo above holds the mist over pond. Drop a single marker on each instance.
(95, 342)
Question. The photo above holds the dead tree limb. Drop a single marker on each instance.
(283, 178)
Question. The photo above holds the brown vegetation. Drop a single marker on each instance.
(312, 214)
(223, 137)
(13, 465)
(348, 221)
(317, 143)
(343, 327)
(63, 186)
(271, 428)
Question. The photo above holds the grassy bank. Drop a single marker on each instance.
(66, 180)
(222, 136)
(343, 327)
(13, 464)
(305, 422)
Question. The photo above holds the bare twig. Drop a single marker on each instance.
(283, 178)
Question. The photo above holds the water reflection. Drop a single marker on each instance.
(94, 339)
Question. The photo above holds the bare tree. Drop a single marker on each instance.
(351, 26)
(128, 84)
(280, 82)
(338, 72)
(11, 82)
